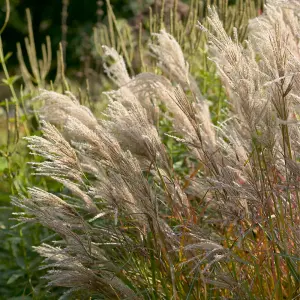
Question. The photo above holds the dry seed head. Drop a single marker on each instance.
(116, 70)
(170, 57)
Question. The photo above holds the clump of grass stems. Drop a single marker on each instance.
(135, 228)
(131, 225)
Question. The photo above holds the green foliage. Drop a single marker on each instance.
(20, 273)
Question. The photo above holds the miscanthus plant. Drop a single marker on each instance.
(129, 225)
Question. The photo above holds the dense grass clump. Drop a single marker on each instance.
(186, 186)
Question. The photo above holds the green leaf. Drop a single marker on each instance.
(11, 80)
(13, 278)
(3, 164)
(7, 56)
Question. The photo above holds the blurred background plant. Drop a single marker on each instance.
(58, 46)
